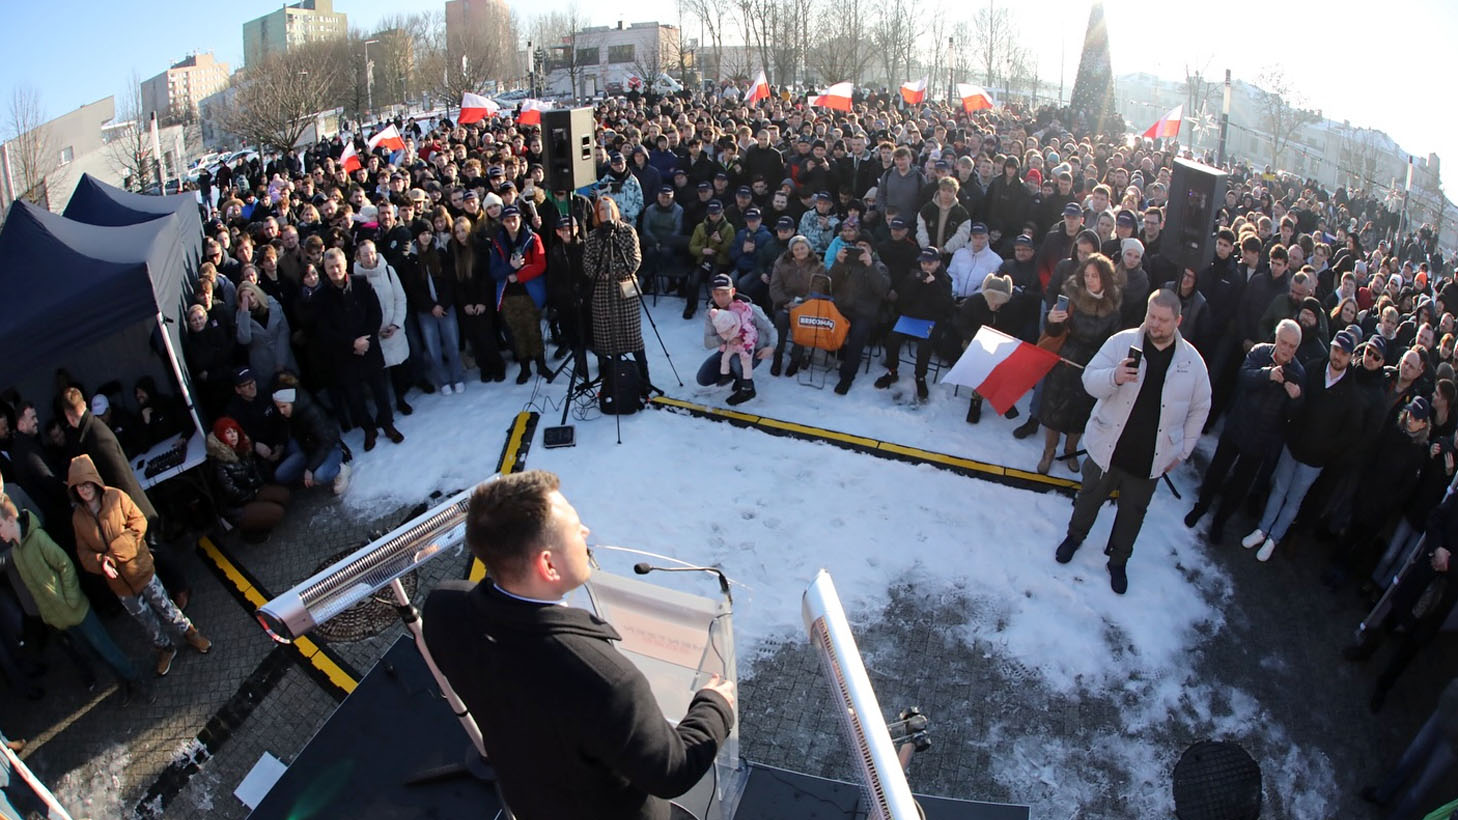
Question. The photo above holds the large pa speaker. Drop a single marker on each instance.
(567, 148)
(1196, 192)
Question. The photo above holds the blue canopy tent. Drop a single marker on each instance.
(89, 298)
(96, 203)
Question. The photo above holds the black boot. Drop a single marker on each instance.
(724, 378)
(743, 394)
(794, 366)
(974, 410)
(921, 389)
(543, 369)
(777, 366)
(525, 374)
(1066, 550)
(1196, 514)
(1026, 429)
(885, 381)
(1012, 413)
(1118, 579)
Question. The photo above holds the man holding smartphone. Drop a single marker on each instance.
(1152, 395)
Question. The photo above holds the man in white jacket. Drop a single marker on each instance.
(1147, 419)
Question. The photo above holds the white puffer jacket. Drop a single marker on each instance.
(391, 294)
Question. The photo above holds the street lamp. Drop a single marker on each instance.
(369, 78)
(951, 73)
(1224, 120)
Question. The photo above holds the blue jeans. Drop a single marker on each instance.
(295, 462)
(1430, 757)
(709, 370)
(1289, 485)
(442, 337)
(1399, 549)
(93, 634)
(150, 607)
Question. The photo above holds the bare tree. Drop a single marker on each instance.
(32, 150)
(714, 17)
(936, 56)
(992, 39)
(1282, 110)
(894, 38)
(842, 50)
(276, 100)
(129, 144)
(570, 49)
(468, 60)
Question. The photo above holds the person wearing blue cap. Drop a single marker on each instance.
(924, 294)
(971, 264)
(819, 225)
(620, 184)
(1320, 432)
(752, 255)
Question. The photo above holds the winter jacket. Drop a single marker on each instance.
(1257, 421)
(1327, 420)
(718, 236)
(95, 440)
(1184, 405)
(393, 309)
(48, 575)
(859, 289)
(820, 237)
(759, 259)
(534, 264)
(343, 315)
(314, 431)
(957, 231)
(917, 298)
(1008, 205)
(238, 477)
(662, 225)
(607, 736)
(626, 192)
(790, 279)
(764, 328)
(117, 531)
(902, 192)
(765, 162)
(1136, 296)
(1391, 472)
(268, 342)
(1222, 285)
(419, 266)
(1257, 297)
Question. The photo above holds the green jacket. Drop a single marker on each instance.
(719, 238)
(49, 575)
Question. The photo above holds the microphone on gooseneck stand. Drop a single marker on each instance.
(643, 568)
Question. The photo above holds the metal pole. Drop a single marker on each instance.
(369, 78)
(951, 71)
(1224, 121)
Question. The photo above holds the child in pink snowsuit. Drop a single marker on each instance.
(735, 325)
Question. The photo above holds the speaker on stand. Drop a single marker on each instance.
(1196, 192)
(567, 148)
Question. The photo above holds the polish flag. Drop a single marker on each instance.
(388, 137)
(531, 112)
(760, 90)
(1000, 368)
(915, 92)
(349, 160)
(1168, 125)
(837, 96)
(475, 108)
(974, 97)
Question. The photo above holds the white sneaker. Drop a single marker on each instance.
(341, 481)
(460, 387)
(1266, 550)
(445, 390)
(1253, 540)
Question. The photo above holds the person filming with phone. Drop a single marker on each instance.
(1152, 394)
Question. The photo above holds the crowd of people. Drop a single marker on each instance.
(1321, 332)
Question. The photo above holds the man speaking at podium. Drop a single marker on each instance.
(570, 725)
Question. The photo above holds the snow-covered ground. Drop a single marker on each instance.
(771, 510)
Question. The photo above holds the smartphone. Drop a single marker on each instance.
(1062, 303)
(1135, 356)
(1288, 372)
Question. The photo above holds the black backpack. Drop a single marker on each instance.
(622, 389)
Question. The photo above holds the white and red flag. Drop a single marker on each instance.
(914, 93)
(837, 96)
(349, 160)
(531, 112)
(1168, 125)
(475, 108)
(388, 137)
(974, 97)
(760, 90)
(1000, 368)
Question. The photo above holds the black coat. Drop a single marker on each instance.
(1327, 420)
(1262, 408)
(259, 419)
(343, 315)
(95, 439)
(569, 723)
(920, 300)
(35, 475)
(1222, 284)
(315, 432)
(432, 264)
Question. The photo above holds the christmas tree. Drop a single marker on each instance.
(1092, 102)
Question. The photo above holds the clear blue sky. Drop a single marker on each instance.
(1379, 69)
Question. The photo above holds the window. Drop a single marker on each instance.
(620, 54)
(588, 56)
(67, 154)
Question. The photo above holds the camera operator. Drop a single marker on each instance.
(570, 725)
(1146, 421)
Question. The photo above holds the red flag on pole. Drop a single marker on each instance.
(759, 91)
(1000, 368)
(974, 97)
(475, 108)
(349, 160)
(914, 93)
(1168, 125)
(531, 112)
(388, 137)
